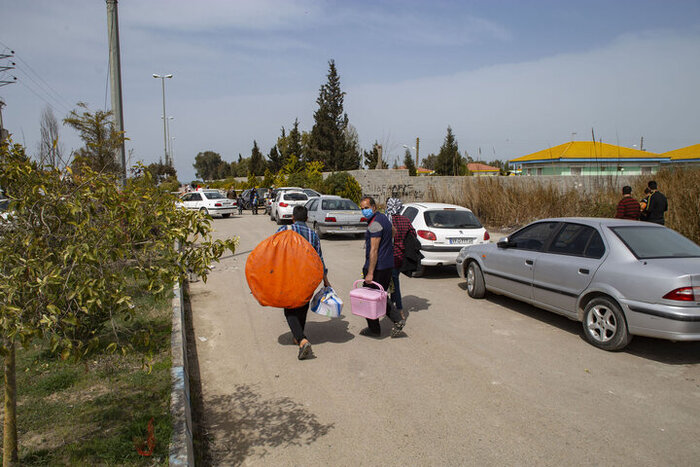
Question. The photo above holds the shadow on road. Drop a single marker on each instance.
(660, 350)
(334, 331)
(255, 424)
(413, 303)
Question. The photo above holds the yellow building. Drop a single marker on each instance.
(689, 155)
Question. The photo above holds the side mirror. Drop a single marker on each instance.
(504, 243)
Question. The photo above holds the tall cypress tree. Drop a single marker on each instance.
(257, 161)
(275, 160)
(448, 159)
(329, 142)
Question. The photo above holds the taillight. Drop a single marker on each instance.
(426, 234)
(283, 205)
(364, 219)
(684, 294)
(218, 205)
(486, 235)
(330, 219)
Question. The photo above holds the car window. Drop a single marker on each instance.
(311, 193)
(312, 205)
(655, 242)
(338, 205)
(451, 219)
(533, 237)
(213, 195)
(295, 197)
(410, 213)
(192, 197)
(596, 247)
(571, 240)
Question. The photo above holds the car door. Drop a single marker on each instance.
(312, 207)
(567, 266)
(510, 268)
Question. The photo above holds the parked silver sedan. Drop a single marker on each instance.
(329, 214)
(619, 278)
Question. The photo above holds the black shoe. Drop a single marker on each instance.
(304, 351)
(398, 328)
(369, 333)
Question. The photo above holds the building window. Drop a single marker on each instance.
(529, 171)
(539, 170)
(646, 170)
(575, 170)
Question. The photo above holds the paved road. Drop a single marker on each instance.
(488, 382)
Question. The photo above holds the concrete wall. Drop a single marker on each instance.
(384, 183)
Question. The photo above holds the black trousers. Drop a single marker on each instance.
(383, 278)
(296, 319)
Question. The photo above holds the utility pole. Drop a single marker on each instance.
(417, 146)
(641, 144)
(3, 132)
(115, 78)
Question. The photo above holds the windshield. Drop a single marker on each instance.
(654, 242)
(338, 205)
(213, 195)
(295, 197)
(447, 219)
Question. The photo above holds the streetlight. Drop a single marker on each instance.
(170, 146)
(165, 130)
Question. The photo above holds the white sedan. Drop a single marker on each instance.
(443, 229)
(209, 202)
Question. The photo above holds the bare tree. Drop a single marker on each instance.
(50, 150)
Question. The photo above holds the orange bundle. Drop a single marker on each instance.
(284, 270)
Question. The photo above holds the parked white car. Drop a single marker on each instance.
(284, 203)
(443, 229)
(329, 214)
(209, 202)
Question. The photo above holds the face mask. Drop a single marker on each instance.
(367, 212)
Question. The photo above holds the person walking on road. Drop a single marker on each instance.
(657, 205)
(296, 317)
(254, 200)
(379, 263)
(627, 207)
(401, 228)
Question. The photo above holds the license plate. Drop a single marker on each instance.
(461, 241)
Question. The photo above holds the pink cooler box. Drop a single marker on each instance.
(366, 302)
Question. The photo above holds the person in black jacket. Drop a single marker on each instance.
(656, 206)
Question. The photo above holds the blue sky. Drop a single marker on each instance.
(510, 77)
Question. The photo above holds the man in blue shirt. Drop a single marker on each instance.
(296, 317)
(379, 263)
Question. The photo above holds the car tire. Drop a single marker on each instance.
(317, 230)
(278, 221)
(476, 288)
(204, 211)
(225, 215)
(419, 272)
(604, 324)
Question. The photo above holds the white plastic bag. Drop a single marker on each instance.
(327, 303)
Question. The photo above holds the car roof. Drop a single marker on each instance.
(330, 197)
(437, 206)
(286, 192)
(603, 221)
(288, 188)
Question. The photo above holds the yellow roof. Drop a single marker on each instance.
(587, 150)
(689, 152)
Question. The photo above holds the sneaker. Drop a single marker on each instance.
(369, 333)
(398, 328)
(304, 351)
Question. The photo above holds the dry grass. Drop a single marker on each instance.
(502, 204)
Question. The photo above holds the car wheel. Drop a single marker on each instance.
(204, 211)
(604, 324)
(419, 272)
(225, 215)
(475, 281)
(318, 230)
(278, 221)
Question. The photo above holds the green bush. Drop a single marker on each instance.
(343, 184)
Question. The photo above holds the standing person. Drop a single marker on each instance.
(240, 203)
(401, 228)
(296, 317)
(657, 205)
(379, 263)
(627, 207)
(254, 200)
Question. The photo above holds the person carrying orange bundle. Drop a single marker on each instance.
(296, 317)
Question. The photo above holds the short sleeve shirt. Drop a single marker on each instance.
(379, 226)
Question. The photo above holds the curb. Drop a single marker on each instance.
(181, 445)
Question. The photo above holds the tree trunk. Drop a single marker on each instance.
(9, 454)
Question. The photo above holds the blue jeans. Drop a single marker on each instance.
(396, 294)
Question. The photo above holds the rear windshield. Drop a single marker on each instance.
(213, 195)
(338, 205)
(446, 219)
(654, 242)
(295, 197)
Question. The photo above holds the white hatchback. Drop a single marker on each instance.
(443, 229)
(284, 203)
(209, 202)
